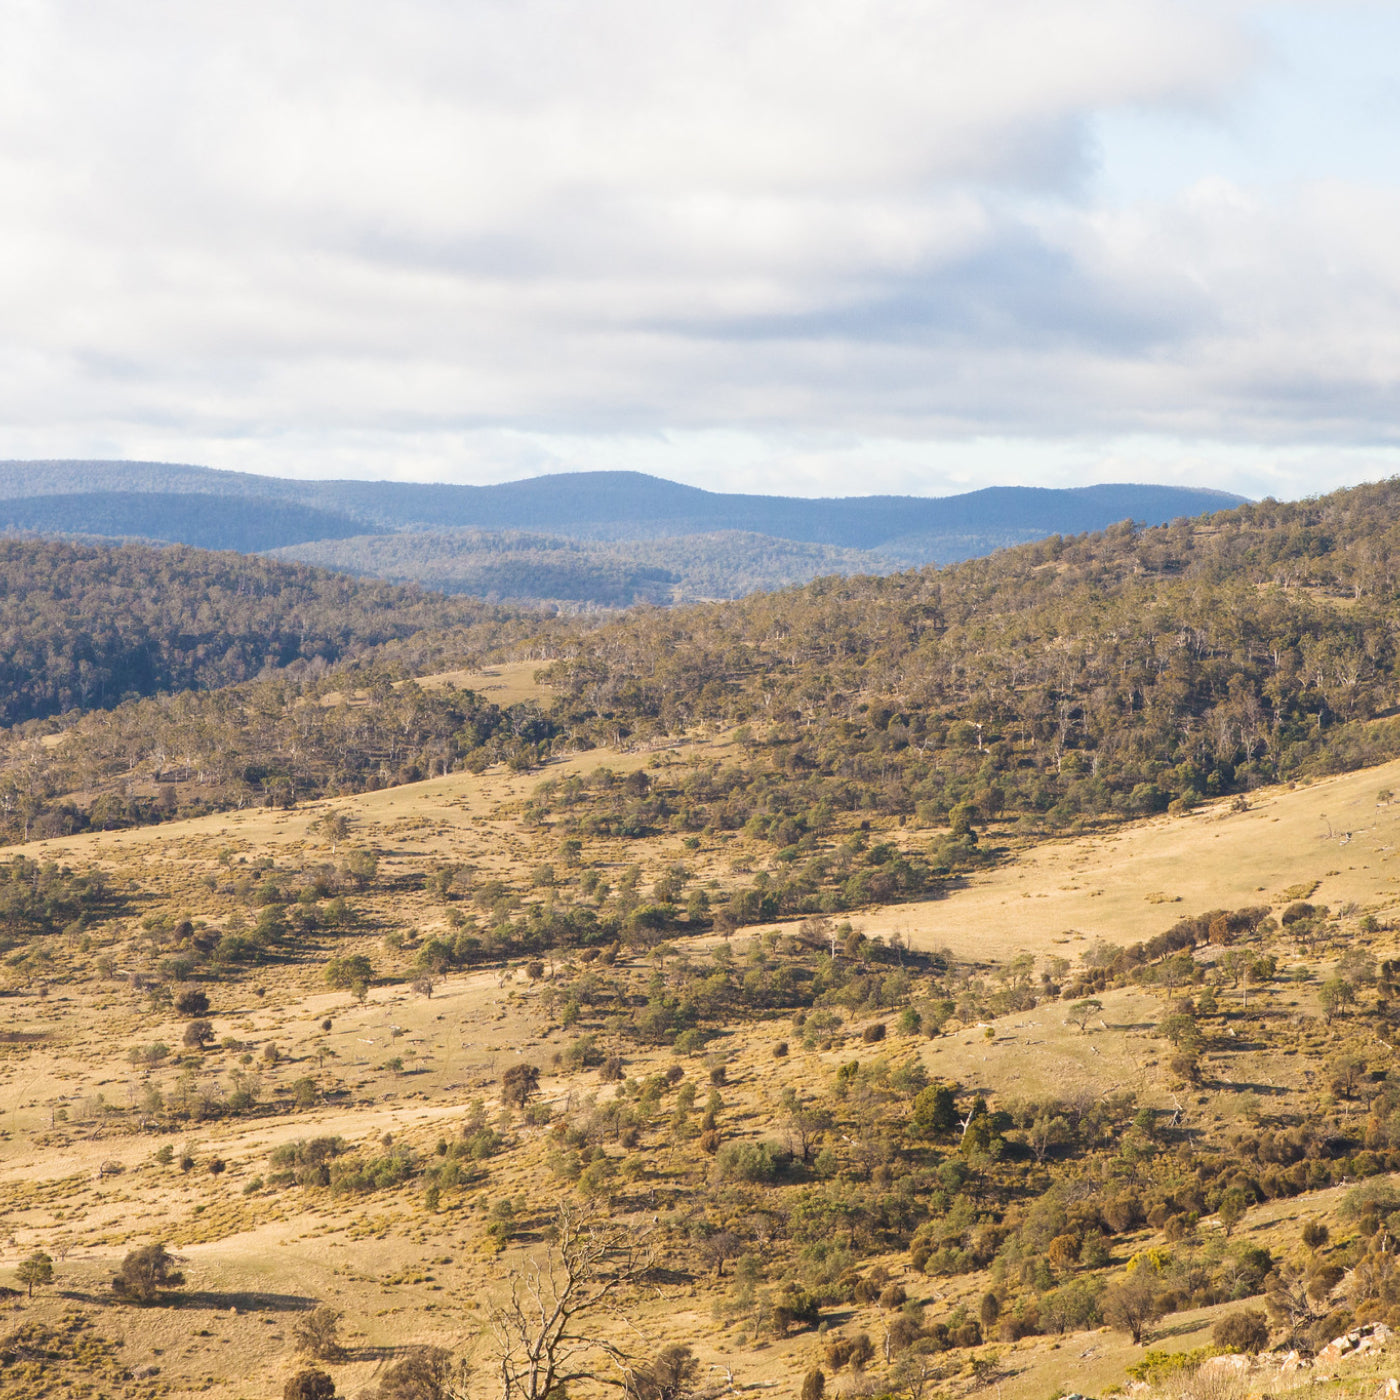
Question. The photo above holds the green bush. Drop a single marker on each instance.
(753, 1162)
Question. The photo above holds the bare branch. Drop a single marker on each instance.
(564, 1307)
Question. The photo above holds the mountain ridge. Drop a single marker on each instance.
(608, 505)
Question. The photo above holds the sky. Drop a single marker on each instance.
(804, 247)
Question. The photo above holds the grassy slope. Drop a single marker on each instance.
(373, 1256)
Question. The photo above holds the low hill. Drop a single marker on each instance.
(247, 524)
(514, 564)
(85, 627)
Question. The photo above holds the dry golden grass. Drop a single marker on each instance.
(404, 1275)
(509, 683)
(1137, 881)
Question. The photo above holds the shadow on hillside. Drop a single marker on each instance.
(376, 1354)
(247, 1302)
(187, 1301)
(1181, 1329)
(1244, 1086)
(946, 885)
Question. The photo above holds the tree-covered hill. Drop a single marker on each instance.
(245, 524)
(1068, 682)
(84, 627)
(513, 564)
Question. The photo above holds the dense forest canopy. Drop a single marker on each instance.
(514, 564)
(246, 524)
(84, 627)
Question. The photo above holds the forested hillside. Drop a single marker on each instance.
(515, 565)
(1060, 683)
(84, 627)
(245, 524)
(1144, 1083)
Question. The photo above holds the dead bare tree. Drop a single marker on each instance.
(558, 1321)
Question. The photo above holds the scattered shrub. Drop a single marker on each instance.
(1246, 1330)
(144, 1273)
(309, 1384)
(519, 1084)
(317, 1333)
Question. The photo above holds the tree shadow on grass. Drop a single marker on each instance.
(246, 1301)
(185, 1300)
(1181, 1329)
(371, 1353)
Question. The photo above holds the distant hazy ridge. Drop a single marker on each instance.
(521, 539)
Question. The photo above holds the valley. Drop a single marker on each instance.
(982, 978)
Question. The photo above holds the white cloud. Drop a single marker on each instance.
(758, 245)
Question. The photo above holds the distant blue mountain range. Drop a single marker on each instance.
(240, 511)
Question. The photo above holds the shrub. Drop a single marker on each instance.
(198, 1034)
(485, 1142)
(583, 1053)
(669, 1375)
(309, 1384)
(966, 1334)
(1315, 1234)
(144, 1272)
(425, 1374)
(374, 1173)
(519, 1084)
(317, 1333)
(1246, 1330)
(838, 1352)
(794, 1308)
(754, 1162)
(873, 1033)
(902, 1333)
(351, 972)
(192, 1002)
(308, 1163)
(1157, 1368)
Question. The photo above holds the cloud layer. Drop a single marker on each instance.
(475, 240)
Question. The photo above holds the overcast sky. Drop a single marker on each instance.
(811, 247)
